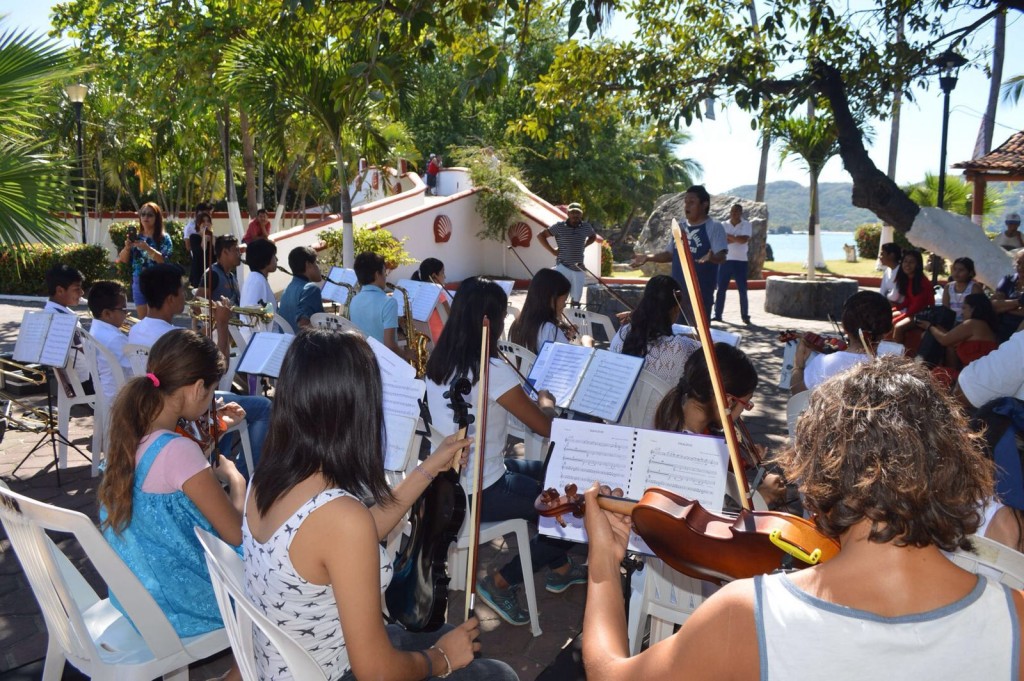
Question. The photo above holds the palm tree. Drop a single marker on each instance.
(815, 141)
(344, 95)
(957, 197)
(32, 183)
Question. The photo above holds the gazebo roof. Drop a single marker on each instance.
(1003, 164)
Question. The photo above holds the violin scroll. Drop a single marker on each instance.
(824, 344)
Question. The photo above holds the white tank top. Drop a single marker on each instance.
(977, 637)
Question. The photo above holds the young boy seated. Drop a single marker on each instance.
(64, 288)
(301, 300)
(373, 310)
(109, 307)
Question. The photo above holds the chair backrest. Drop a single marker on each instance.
(63, 593)
(334, 322)
(227, 573)
(138, 357)
(643, 403)
(520, 356)
(794, 407)
(93, 351)
(994, 560)
(283, 324)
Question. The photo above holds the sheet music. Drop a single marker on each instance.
(559, 369)
(31, 335)
(402, 395)
(607, 384)
(717, 335)
(391, 365)
(635, 460)
(424, 298)
(58, 340)
(265, 353)
(339, 294)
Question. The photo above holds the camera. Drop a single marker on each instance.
(937, 315)
(132, 235)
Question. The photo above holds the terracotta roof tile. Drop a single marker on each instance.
(1008, 158)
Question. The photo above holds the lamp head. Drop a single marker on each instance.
(76, 92)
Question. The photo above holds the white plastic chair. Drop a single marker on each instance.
(101, 416)
(666, 596)
(458, 556)
(83, 628)
(283, 324)
(586, 321)
(643, 403)
(68, 381)
(227, 573)
(334, 322)
(138, 357)
(996, 561)
(523, 360)
(794, 407)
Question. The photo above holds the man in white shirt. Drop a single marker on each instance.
(109, 307)
(891, 256)
(64, 288)
(261, 257)
(1010, 239)
(998, 374)
(737, 234)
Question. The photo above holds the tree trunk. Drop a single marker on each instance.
(248, 161)
(894, 144)
(348, 232)
(766, 139)
(234, 215)
(283, 196)
(988, 122)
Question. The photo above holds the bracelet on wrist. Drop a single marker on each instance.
(799, 367)
(446, 661)
(430, 664)
(423, 471)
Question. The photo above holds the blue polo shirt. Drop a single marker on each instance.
(301, 300)
(374, 311)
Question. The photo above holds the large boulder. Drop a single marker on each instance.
(796, 296)
(657, 232)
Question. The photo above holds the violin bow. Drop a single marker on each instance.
(607, 288)
(522, 378)
(708, 347)
(483, 377)
(565, 318)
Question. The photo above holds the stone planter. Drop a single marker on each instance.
(797, 297)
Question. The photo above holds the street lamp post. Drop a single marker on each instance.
(76, 93)
(949, 63)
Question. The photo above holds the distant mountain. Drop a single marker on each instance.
(789, 204)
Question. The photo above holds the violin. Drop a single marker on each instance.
(702, 544)
(826, 345)
(417, 597)
(570, 330)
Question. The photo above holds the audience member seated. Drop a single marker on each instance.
(1007, 299)
(541, 319)
(689, 407)
(166, 295)
(158, 485)
(914, 293)
(649, 331)
(890, 258)
(971, 339)
(313, 558)
(1011, 239)
(960, 285)
(109, 308)
(891, 470)
(867, 318)
(302, 299)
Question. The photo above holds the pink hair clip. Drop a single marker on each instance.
(156, 381)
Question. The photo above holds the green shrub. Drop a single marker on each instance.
(499, 198)
(23, 267)
(868, 237)
(371, 239)
(607, 258)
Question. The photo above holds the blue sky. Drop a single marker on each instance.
(729, 150)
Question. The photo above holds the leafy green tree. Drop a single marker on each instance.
(957, 197)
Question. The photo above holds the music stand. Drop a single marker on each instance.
(45, 338)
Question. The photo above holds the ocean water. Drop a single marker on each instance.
(793, 247)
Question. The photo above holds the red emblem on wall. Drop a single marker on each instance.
(520, 235)
(442, 229)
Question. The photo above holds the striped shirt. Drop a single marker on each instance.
(571, 242)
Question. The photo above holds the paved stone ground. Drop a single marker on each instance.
(23, 633)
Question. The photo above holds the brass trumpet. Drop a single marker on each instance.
(257, 315)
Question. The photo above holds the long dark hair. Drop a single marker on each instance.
(653, 315)
(546, 285)
(981, 308)
(325, 375)
(739, 377)
(427, 269)
(905, 284)
(457, 352)
(178, 359)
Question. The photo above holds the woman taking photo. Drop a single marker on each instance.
(150, 246)
(541, 319)
(890, 469)
(649, 331)
(510, 486)
(313, 558)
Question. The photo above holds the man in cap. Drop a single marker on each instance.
(572, 235)
(433, 168)
(1011, 238)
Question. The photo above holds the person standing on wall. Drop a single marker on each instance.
(572, 236)
(433, 168)
(259, 227)
(737, 234)
(708, 244)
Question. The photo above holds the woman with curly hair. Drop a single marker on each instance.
(649, 331)
(890, 468)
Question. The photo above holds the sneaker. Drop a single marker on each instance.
(746, 320)
(556, 583)
(505, 602)
(716, 318)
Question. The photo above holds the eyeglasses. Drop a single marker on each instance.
(147, 214)
(747, 406)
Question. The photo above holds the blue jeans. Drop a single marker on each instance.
(732, 269)
(480, 669)
(257, 416)
(513, 496)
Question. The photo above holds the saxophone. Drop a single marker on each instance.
(414, 338)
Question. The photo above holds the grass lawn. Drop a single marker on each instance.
(861, 268)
